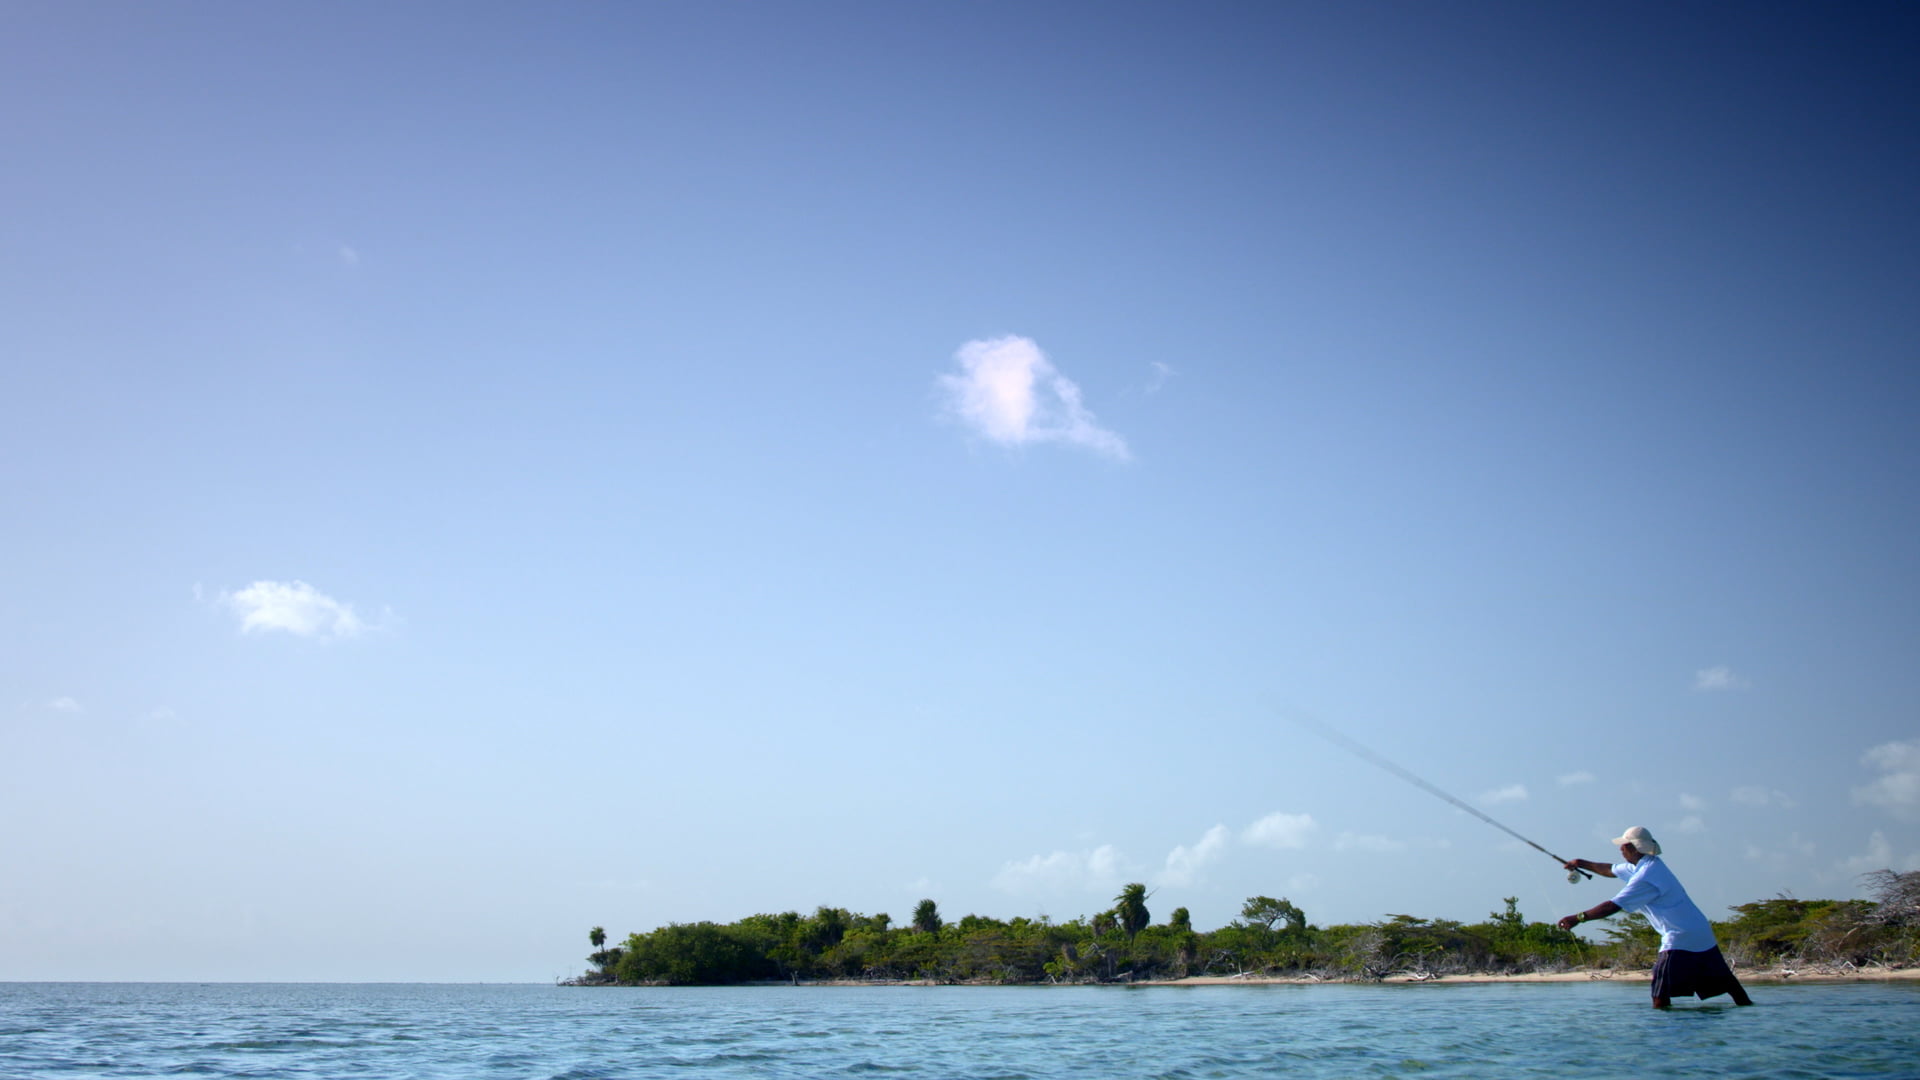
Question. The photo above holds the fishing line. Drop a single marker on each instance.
(1354, 748)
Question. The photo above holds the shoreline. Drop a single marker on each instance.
(1774, 976)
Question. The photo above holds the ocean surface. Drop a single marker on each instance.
(1592, 1029)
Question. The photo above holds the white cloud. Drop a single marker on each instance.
(1278, 830)
(1689, 825)
(1062, 872)
(65, 705)
(1880, 856)
(1008, 391)
(1510, 793)
(1692, 802)
(1756, 795)
(1572, 778)
(1718, 678)
(1347, 841)
(1897, 788)
(293, 606)
(1184, 863)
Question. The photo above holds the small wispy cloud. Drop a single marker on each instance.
(1756, 795)
(1280, 831)
(1161, 373)
(1781, 852)
(1510, 793)
(65, 705)
(1691, 824)
(294, 607)
(1897, 788)
(1184, 863)
(347, 255)
(1692, 802)
(1010, 393)
(1369, 842)
(1719, 678)
(1580, 776)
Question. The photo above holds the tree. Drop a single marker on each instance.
(1896, 896)
(926, 917)
(1510, 919)
(1180, 920)
(1130, 908)
(693, 954)
(602, 957)
(1264, 911)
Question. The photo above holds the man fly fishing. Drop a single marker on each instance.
(1690, 962)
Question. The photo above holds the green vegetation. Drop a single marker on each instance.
(1271, 937)
(1831, 933)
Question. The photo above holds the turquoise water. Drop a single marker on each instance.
(79, 1030)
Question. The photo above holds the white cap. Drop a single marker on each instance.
(1642, 840)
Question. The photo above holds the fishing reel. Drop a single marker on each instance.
(1573, 877)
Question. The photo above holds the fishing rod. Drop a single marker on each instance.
(1354, 748)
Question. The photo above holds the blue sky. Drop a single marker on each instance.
(474, 472)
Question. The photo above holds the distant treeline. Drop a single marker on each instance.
(1271, 937)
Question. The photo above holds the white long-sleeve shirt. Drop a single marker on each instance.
(1652, 890)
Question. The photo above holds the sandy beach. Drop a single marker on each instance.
(1760, 976)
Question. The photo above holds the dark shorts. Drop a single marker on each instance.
(1680, 973)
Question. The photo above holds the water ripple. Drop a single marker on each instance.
(334, 1032)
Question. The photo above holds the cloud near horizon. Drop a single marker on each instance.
(1009, 392)
(294, 607)
(1897, 788)
(1063, 872)
(1510, 793)
(1066, 873)
(1280, 831)
(1184, 863)
(1880, 855)
(1781, 852)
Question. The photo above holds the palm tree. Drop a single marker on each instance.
(598, 936)
(1130, 907)
(926, 917)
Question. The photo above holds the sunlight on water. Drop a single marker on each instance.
(988, 1033)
